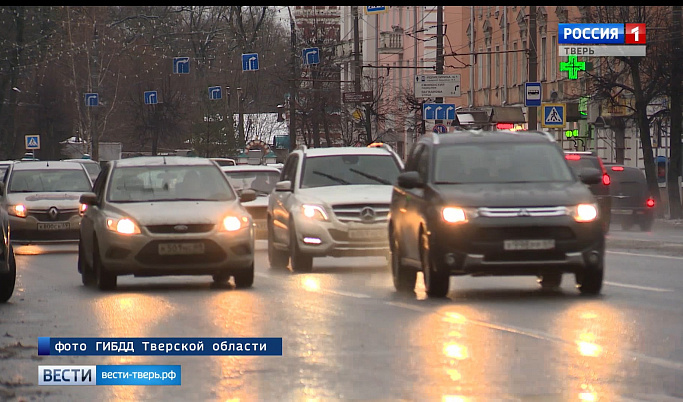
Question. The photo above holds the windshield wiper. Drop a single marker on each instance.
(329, 176)
(371, 176)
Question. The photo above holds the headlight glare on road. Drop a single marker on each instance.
(314, 212)
(585, 212)
(123, 226)
(19, 210)
(454, 215)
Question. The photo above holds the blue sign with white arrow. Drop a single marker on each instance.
(181, 65)
(249, 61)
(215, 93)
(438, 111)
(91, 99)
(310, 55)
(151, 98)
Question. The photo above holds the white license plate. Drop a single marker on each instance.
(361, 234)
(622, 212)
(181, 248)
(54, 226)
(529, 244)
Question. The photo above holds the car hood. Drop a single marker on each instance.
(514, 194)
(177, 212)
(45, 200)
(260, 201)
(354, 194)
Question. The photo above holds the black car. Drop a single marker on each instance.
(580, 159)
(632, 202)
(494, 204)
(8, 265)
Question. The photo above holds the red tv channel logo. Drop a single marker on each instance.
(634, 34)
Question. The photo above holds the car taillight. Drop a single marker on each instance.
(572, 157)
(650, 202)
(618, 168)
(606, 180)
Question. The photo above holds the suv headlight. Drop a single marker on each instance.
(312, 211)
(124, 226)
(584, 212)
(232, 223)
(457, 214)
(19, 210)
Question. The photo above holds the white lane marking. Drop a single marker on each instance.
(670, 257)
(648, 288)
(327, 291)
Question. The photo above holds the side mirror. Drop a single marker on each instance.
(247, 195)
(285, 185)
(88, 199)
(590, 176)
(410, 180)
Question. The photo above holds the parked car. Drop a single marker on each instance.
(261, 179)
(632, 202)
(93, 167)
(494, 204)
(580, 159)
(331, 202)
(172, 215)
(8, 264)
(224, 161)
(4, 165)
(42, 199)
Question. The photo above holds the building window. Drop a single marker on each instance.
(553, 61)
(480, 63)
(525, 65)
(544, 60)
(489, 68)
(515, 66)
(498, 71)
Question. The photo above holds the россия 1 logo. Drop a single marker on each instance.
(602, 34)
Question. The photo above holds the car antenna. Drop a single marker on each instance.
(164, 160)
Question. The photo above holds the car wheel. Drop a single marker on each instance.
(436, 280)
(87, 277)
(244, 278)
(103, 279)
(276, 258)
(8, 280)
(646, 223)
(300, 261)
(550, 281)
(589, 281)
(221, 279)
(404, 277)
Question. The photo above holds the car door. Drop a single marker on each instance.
(94, 214)
(280, 200)
(417, 204)
(404, 207)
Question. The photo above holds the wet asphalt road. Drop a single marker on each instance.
(348, 335)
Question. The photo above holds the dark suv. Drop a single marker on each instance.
(580, 159)
(632, 203)
(494, 204)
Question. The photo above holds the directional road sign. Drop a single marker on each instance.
(437, 85)
(91, 99)
(215, 93)
(249, 61)
(181, 65)
(553, 115)
(375, 9)
(32, 141)
(532, 94)
(310, 55)
(151, 98)
(438, 111)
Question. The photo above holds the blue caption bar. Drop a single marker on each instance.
(602, 34)
(48, 346)
(110, 375)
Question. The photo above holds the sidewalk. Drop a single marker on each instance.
(656, 246)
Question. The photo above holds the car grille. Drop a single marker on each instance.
(150, 255)
(522, 211)
(181, 229)
(42, 215)
(363, 213)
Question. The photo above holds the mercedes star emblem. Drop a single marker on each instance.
(367, 214)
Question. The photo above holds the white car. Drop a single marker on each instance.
(261, 179)
(331, 202)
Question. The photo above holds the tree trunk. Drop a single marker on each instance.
(675, 208)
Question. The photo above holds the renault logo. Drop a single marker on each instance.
(367, 214)
(52, 213)
(180, 228)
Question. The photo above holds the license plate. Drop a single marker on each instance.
(181, 248)
(622, 212)
(54, 226)
(363, 234)
(529, 244)
(261, 226)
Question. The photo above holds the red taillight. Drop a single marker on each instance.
(572, 157)
(618, 168)
(606, 179)
(650, 202)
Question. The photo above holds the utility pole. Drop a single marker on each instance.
(439, 48)
(533, 62)
(675, 171)
(294, 83)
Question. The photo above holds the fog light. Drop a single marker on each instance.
(312, 240)
(593, 257)
(450, 259)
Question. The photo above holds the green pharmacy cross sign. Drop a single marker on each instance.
(573, 66)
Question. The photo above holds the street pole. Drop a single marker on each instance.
(241, 141)
(439, 49)
(294, 83)
(533, 61)
(675, 171)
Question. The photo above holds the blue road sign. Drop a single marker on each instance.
(438, 111)
(215, 93)
(181, 65)
(532, 94)
(151, 98)
(311, 55)
(249, 61)
(91, 99)
(375, 9)
(32, 141)
(553, 115)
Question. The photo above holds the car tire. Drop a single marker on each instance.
(300, 262)
(436, 280)
(103, 279)
(221, 279)
(550, 281)
(244, 278)
(589, 282)
(278, 259)
(8, 279)
(87, 276)
(404, 277)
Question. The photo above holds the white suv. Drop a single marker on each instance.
(331, 202)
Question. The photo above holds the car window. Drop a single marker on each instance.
(262, 181)
(335, 170)
(578, 162)
(92, 168)
(49, 180)
(500, 163)
(168, 183)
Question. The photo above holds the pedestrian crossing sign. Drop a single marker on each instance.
(32, 141)
(553, 115)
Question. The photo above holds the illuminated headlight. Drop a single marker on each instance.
(457, 214)
(585, 212)
(233, 223)
(314, 212)
(19, 210)
(123, 226)
(82, 209)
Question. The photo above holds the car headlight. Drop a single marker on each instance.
(457, 214)
(233, 223)
(123, 226)
(312, 211)
(82, 208)
(584, 212)
(19, 210)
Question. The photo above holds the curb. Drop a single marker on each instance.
(622, 244)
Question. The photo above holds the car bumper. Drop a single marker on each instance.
(337, 239)
(30, 229)
(196, 254)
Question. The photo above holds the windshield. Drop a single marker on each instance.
(168, 183)
(92, 168)
(263, 182)
(501, 163)
(49, 180)
(321, 171)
